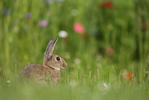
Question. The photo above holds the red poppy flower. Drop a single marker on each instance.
(127, 75)
(107, 4)
(130, 76)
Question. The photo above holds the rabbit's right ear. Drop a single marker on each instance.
(50, 48)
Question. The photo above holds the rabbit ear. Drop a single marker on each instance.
(50, 48)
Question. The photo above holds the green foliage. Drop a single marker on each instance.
(122, 28)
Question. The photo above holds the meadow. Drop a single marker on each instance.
(105, 43)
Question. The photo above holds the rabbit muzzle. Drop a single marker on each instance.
(64, 66)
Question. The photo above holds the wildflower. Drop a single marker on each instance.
(8, 81)
(6, 11)
(127, 75)
(62, 34)
(79, 28)
(106, 86)
(95, 32)
(28, 16)
(77, 61)
(43, 23)
(47, 1)
(107, 4)
(59, 0)
(110, 51)
(143, 25)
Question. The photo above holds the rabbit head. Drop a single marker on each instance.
(52, 60)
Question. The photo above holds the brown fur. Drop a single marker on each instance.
(50, 70)
(40, 73)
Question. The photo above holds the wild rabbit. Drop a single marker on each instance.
(50, 70)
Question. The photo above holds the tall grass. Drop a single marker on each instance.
(122, 28)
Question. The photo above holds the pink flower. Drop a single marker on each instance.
(43, 23)
(28, 16)
(79, 28)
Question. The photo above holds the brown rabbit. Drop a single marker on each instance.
(50, 70)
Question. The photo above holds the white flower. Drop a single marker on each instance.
(77, 61)
(63, 34)
(8, 81)
(105, 85)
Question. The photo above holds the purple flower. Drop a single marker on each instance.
(95, 32)
(48, 2)
(43, 23)
(59, 0)
(6, 11)
(28, 16)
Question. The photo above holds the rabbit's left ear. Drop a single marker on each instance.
(50, 48)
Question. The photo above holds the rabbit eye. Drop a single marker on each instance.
(58, 58)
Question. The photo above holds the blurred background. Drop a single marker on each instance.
(101, 40)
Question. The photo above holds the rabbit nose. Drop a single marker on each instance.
(64, 65)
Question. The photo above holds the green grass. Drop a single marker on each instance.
(17, 91)
(92, 73)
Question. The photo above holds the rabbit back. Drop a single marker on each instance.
(34, 71)
(40, 73)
